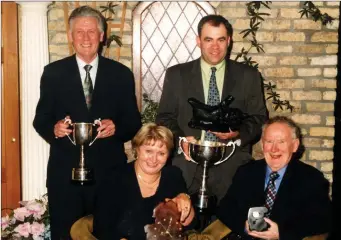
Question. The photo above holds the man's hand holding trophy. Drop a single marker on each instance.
(220, 120)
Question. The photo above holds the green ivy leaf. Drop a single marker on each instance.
(150, 109)
(309, 9)
(111, 9)
(256, 18)
(266, 4)
(273, 95)
(115, 38)
(269, 86)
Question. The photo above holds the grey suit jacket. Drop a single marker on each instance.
(185, 80)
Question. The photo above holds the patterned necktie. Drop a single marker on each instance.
(271, 192)
(87, 86)
(212, 100)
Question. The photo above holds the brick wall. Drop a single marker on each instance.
(300, 58)
(58, 42)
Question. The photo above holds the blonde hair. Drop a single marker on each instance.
(150, 133)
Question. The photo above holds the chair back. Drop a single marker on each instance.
(82, 229)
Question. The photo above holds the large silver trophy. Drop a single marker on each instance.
(206, 154)
(83, 134)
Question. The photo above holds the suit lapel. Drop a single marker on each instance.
(100, 77)
(194, 89)
(195, 85)
(258, 184)
(230, 79)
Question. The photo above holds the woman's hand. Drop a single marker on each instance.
(184, 205)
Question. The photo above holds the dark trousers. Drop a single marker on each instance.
(67, 203)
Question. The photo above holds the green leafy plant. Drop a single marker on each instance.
(256, 18)
(108, 11)
(149, 110)
(309, 10)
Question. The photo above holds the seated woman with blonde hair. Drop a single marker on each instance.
(125, 203)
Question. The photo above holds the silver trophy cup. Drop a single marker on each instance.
(206, 154)
(83, 134)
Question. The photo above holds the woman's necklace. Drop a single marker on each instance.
(150, 184)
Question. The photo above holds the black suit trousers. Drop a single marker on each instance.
(67, 204)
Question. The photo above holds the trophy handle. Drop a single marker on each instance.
(228, 145)
(96, 122)
(68, 120)
(185, 140)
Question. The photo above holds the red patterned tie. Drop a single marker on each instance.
(271, 192)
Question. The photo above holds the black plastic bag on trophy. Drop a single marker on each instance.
(218, 118)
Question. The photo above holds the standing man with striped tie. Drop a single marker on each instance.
(210, 79)
(294, 193)
(84, 87)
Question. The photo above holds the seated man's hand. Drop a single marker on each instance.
(271, 233)
(184, 146)
(227, 135)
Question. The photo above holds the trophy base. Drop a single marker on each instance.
(82, 175)
(206, 207)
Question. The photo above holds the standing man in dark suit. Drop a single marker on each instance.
(300, 204)
(83, 88)
(192, 79)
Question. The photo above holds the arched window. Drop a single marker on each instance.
(163, 35)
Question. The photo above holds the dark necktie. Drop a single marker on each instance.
(212, 100)
(271, 192)
(87, 86)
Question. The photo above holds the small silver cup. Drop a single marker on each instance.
(206, 154)
(83, 135)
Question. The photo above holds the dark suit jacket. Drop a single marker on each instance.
(185, 80)
(61, 94)
(302, 206)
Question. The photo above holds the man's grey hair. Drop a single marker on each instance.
(86, 11)
(296, 131)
